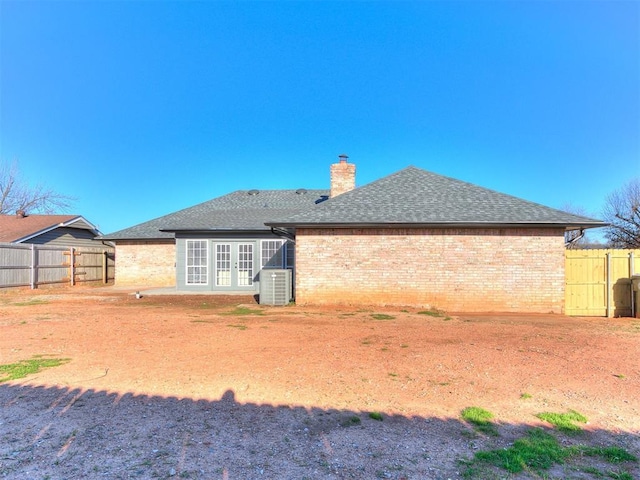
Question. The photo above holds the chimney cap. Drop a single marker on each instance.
(21, 213)
(343, 157)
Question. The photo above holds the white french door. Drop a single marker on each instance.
(234, 265)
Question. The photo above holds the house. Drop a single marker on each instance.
(411, 238)
(56, 230)
(219, 246)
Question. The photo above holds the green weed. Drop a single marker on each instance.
(435, 313)
(610, 454)
(239, 310)
(382, 316)
(376, 416)
(28, 303)
(480, 419)
(351, 421)
(525, 396)
(539, 451)
(14, 371)
(565, 422)
(239, 326)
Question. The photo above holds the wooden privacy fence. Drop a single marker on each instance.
(33, 265)
(598, 282)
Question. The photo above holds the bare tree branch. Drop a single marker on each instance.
(622, 211)
(16, 194)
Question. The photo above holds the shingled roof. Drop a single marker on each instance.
(18, 228)
(242, 210)
(415, 197)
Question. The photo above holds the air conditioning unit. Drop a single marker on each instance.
(275, 287)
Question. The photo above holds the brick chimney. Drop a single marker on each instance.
(343, 176)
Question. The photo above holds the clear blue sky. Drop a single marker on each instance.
(139, 109)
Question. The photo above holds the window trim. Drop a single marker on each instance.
(205, 265)
(283, 246)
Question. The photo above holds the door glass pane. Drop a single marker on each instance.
(245, 264)
(223, 265)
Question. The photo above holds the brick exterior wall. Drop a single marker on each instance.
(472, 270)
(146, 263)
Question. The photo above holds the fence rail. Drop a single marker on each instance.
(598, 282)
(34, 265)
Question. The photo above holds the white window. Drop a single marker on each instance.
(197, 261)
(272, 253)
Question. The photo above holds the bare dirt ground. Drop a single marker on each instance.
(193, 387)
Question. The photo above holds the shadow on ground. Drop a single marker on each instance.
(60, 433)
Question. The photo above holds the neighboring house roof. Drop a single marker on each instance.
(416, 197)
(18, 229)
(242, 210)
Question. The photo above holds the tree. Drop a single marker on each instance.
(16, 194)
(622, 212)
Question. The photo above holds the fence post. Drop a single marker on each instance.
(631, 274)
(33, 266)
(608, 284)
(105, 267)
(72, 267)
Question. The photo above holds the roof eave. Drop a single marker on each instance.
(567, 226)
(57, 225)
(214, 229)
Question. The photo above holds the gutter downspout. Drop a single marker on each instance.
(571, 242)
(280, 232)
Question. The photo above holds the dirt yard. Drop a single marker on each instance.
(219, 387)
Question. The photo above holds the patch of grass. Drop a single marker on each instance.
(352, 421)
(619, 375)
(240, 310)
(525, 396)
(206, 305)
(610, 454)
(620, 475)
(28, 303)
(435, 313)
(565, 422)
(375, 416)
(202, 321)
(480, 419)
(239, 326)
(15, 371)
(393, 374)
(404, 345)
(537, 451)
(382, 316)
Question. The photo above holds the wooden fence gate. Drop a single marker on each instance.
(598, 282)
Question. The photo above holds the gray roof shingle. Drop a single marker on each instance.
(244, 210)
(410, 197)
(414, 196)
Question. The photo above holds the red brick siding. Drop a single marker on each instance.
(146, 263)
(508, 270)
